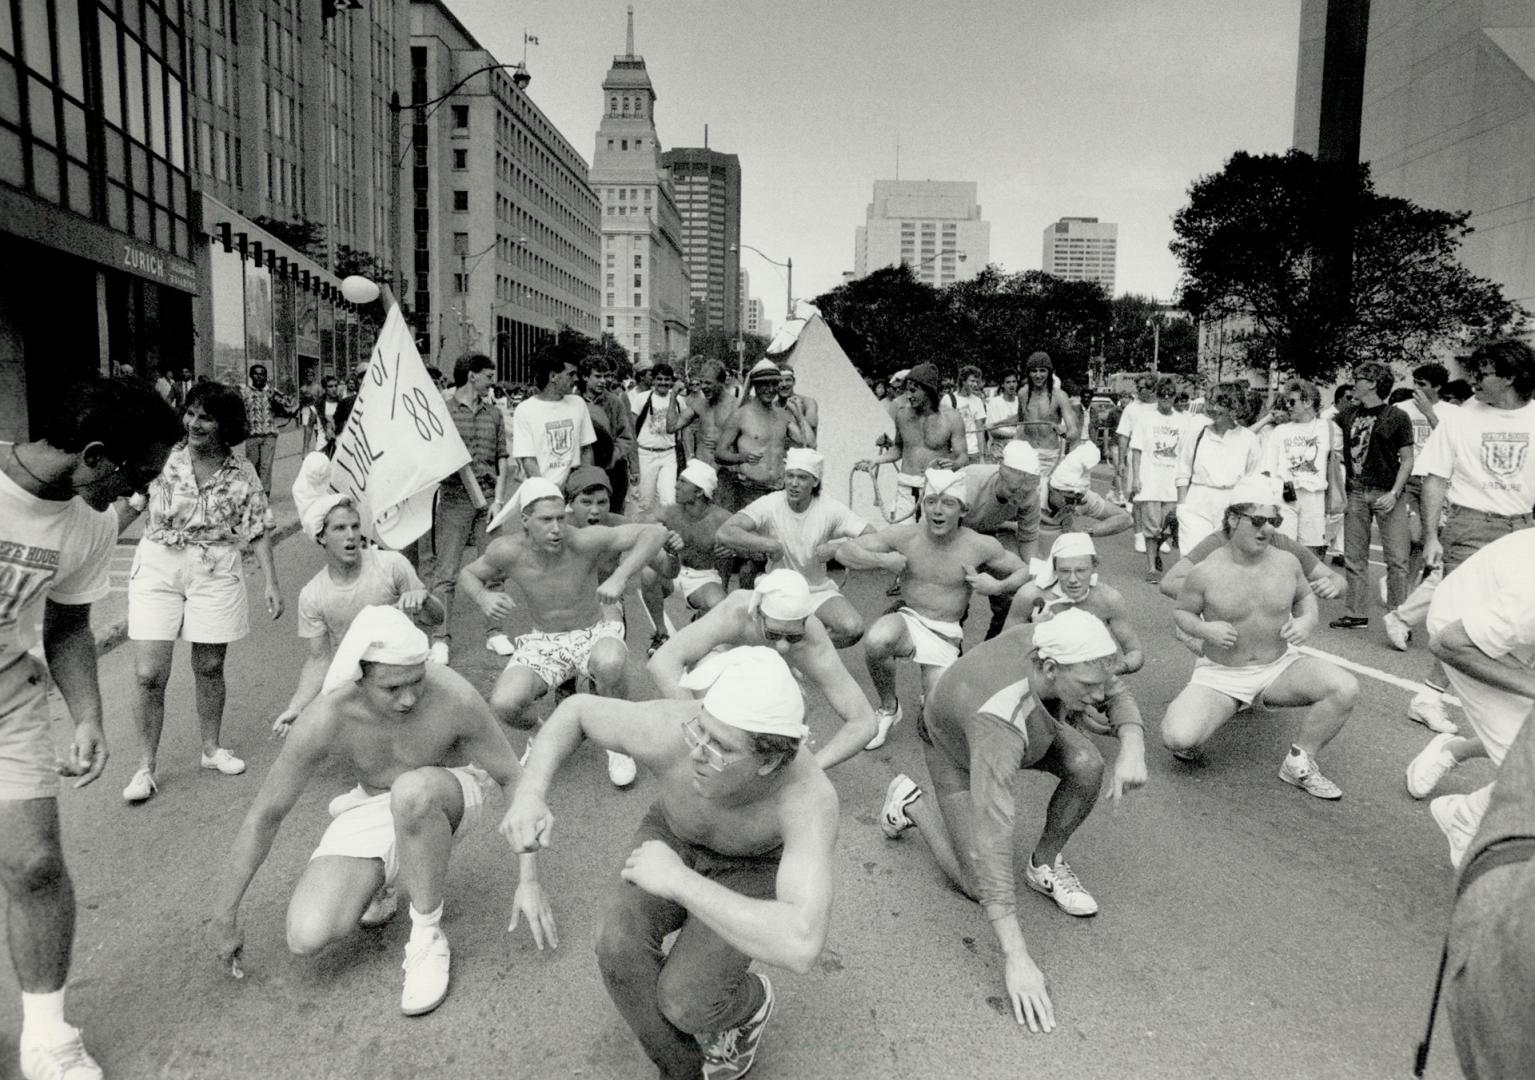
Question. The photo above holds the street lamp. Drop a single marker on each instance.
(787, 265)
(937, 254)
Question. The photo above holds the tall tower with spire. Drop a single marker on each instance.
(645, 283)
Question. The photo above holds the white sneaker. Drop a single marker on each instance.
(500, 644)
(1167, 545)
(67, 1060)
(426, 974)
(1061, 884)
(1300, 769)
(224, 762)
(1140, 542)
(887, 719)
(438, 654)
(1431, 765)
(621, 769)
(902, 792)
(141, 787)
(1397, 631)
(1427, 708)
(382, 908)
(1449, 812)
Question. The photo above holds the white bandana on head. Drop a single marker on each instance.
(1074, 637)
(803, 459)
(701, 475)
(382, 634)
(312, 481)
(534, 489)
(314, 514)
(751, 688)
(1066, 546)
(783, 595)
(1021, 456)
(1074, 473)
(941, 482)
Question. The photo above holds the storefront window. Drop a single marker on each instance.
(258, 320)
(284, 368)
(228, 287)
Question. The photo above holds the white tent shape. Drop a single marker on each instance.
(852, 418)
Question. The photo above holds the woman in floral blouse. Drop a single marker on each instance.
(188, 577)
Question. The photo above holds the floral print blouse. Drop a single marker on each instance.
(231, 508)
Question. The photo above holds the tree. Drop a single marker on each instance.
(718, 345)
(302, 235)
(1246, 243)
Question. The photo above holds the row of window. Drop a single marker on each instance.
(624, 105)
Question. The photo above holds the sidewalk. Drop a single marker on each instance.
(109, 617)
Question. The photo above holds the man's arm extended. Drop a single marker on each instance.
(740, 532)
(70, 648)
(687, 647)
(1454, 646)
(875, 550)
(310, 678)
(474, 580)
(639, 542)
(820, 664)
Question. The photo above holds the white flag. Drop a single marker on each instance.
(398, 442)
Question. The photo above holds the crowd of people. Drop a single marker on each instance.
(601, 502)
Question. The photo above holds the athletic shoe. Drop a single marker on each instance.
(621, 769)
(1427, 708)
(902, 792)
(1167, 545)
(426, 974)
(67, 1060)
(887, 719)
(1140, 542)
(1430, 766)
(1349, 622)
(1397, 631)
(438, 654)
(1449, 813)
(224, 762)
(499, 644)
(383, 907)
(1300, 769)
(1060, 883)
(730, 1054)
(1191, 756)
(141, 787)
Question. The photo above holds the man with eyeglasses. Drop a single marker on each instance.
(1250, 606)
(735, 856)
(778, 612)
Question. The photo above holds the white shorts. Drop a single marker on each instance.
(196, 593)
(819, 594)
(1202, 512)
(26, 739)
(691, 579)
(362, 825)
(563, 654)
(1495, 715)
(937, 643)
(1305, 520)
(1245, 683)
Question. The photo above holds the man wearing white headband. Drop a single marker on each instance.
(779, 612)
(1005, 706)
(1069, 497)
(404, 727)
(926, 437)
(356, 575)
(939, 561)
(1250, 606)
(735, 856)
(801, 529)
(1069, 579)
(694, 562)
(1003, 501)
(570, 597)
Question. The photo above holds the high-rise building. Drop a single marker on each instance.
(753, 319)
(1081, 249)
(97, 226)
(505, 227)
(707, 186)
(1448, 119)
(646, 295)
(933, 226)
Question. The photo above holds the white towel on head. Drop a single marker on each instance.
(382, 634)
(1074, 473)
(312, 481)
(803, 459)
(1074, 636)
(313, 516)
(950, 482)
(751, 687)
(702, 475)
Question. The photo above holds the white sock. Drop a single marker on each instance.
(42, 1018)
(421, 926)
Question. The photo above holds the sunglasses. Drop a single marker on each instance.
(699, 739)
(791, 637)
(1260, 520)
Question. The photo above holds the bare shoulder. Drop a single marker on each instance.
(504, 551)
(457, 693)
(808, 798)
(716, 517)
(1110, 600)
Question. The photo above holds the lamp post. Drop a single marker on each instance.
(938, 254)
(787, 265)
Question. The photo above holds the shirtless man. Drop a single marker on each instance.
(778, 612)
(1003, 501)
(1250, 606)
(570, 601)
(800, 528)
(939, 562)
(694, 560)
(1000, 709)
(736, 856)
(408, 731)
(926, 437)
(804, 408)
(354, 576)
(1046, 417)
(1070, 580)
(711, 407)
(756, 437)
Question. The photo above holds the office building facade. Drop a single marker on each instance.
(1081, 249)
(933, 226)
(707, 186)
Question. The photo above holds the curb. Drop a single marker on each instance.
(111, 635)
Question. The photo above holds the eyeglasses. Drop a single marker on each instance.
(1260, 520)
(699, 739)
(791, 637)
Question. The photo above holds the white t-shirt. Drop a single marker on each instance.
(1492, 594)
(1214, 460)
(1000, 410)
(652, 434)
(1160, 440)
(48, 550)
(1131, 413)
(1298, 452)
(973, 409)
(325, 606)
(552, 433)
(1485, 454)
(824, 519)
(1421, 428)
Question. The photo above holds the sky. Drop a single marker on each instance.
(1097, 108)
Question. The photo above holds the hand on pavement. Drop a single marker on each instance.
(228, 941)
(529, 901)
(1026, 991)
(1129, 774)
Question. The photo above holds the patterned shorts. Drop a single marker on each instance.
(561, 655)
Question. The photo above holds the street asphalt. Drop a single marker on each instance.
(1247, 929)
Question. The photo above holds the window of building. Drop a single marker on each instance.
(611, 301)
(623, 144)
(639, 301)
(460, 243)
(636, 341)
(460, 199)
(610, 258)
(610, 281)
(460, 160)
(460, 118)
(610, 322)
(639, 262)
(460, 283)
